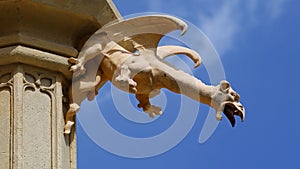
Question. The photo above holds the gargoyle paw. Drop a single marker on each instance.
(132, 82)
(124, 80)
(153, 110)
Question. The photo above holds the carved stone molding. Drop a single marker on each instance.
(6, 146)
(30, 56)
(32, 119)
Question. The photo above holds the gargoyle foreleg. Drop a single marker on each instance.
(74, 107)
(146, 105)
(89, 86)
(85, 89)
(125, 79)
(86, 55)
(165, 51)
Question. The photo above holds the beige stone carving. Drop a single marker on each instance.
(37, 37)
(129, 57)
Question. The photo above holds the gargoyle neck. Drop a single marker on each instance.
(183, 83)
(197, 90)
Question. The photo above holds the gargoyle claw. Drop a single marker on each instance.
(124, 81)
(73, 60)
(68, 126)
(78, 68)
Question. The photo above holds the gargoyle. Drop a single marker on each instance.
(87, 86)
(130, 58)
(150, 74)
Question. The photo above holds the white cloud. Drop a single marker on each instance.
(229, 19)
(222, 21)
(222, 26)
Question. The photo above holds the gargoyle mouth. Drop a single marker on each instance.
(234, 108)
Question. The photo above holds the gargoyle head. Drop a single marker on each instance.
(226, 100)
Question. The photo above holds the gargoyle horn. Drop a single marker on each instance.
(165, 51)
(145, 30)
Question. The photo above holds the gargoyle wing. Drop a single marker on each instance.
(144, 30)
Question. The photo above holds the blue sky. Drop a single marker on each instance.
(258, 43)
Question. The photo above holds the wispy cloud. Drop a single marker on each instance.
(222, 21)
(276, 8)
(230, 18)
(221, 26)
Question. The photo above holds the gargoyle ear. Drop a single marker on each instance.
(224, 85)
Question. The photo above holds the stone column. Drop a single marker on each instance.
(36, 39)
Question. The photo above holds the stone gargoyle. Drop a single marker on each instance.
(127, 54)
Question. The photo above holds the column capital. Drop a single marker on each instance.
(54, 26)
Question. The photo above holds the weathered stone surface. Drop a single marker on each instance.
(5, 127)
(32, 119)
(31, 56)
(36, 39)
(36, 112)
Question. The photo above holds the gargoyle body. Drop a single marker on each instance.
(134, 63)
(144, 75)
